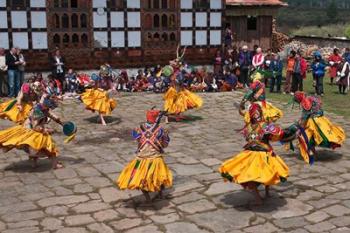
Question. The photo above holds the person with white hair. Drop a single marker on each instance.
(258, 59)
(245, 61)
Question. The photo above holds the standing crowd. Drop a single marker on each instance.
(232, 69)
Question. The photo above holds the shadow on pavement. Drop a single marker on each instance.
(244, 201)
(44, 164)
(109, 120)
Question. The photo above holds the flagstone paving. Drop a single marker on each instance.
(83, 197)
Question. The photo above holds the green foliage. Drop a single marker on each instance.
(347, 32)
(332, 11)
(335, 30)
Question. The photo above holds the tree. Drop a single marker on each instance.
(332, 11)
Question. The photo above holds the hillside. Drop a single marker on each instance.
(314, 14)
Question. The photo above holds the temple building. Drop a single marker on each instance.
(123, 33)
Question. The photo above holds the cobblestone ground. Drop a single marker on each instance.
(82, 197)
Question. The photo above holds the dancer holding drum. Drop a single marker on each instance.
(34, 137)
(98, 97)
(178, 99)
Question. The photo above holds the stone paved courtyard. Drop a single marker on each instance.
(82, 197)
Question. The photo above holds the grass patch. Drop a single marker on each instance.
(335, 30)
(332, 101)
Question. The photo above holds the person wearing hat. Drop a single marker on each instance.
(334, 60)
(148, 171)
(97, 98)
(258, 164)
(17, 110)
(318, 71)
(245, 61)
(33, 137)
(315, 128)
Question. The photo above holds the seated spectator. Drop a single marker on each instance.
(230, 80)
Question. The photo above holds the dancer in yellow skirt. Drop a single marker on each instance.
(178, 99)
(18, 110)
(257, 163)
(148, 171)
(315, 128)
(256, 94)
(33, 137)
(98, 98)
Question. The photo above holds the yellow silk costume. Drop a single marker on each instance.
(99, 101)
(20, 137)
(9, 110)
(180, 101)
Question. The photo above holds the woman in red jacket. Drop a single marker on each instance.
(334, 60)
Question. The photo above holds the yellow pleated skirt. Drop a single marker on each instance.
(179, 102)
(9, 110)
(99, 101)
(20, 137)
(148, 174)
(270, 112)
(320, 131)
(254, 166)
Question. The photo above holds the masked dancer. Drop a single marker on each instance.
(148, 171)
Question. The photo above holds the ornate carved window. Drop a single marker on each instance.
(74, 20)
(74, 3)
(172, 37)
(165, 37)
(83, 21)
(75, 38)
(164, 4)
(164, 21)
(84, 39)
(148, 21)
(65, 21)
(65, 38)
(56, 19)
(56, 3)
(172, 4)
(156, 4)
(172, 21)
(65, 4)
(156, 21)
(56, 39)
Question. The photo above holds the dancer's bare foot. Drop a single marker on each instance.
(56, 164)
(267, 192)
(147, 196)
(102, 120)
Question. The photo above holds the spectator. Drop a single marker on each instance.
(299, 73)
(276, 68)
(228, 37)
(334, 60)
(58, 64)
(344, 76)
(245, 61)
(268, 59)
(290, 69)
(318, 71)
(3, 69)
(72, 81)
(346, 54)
(12, 61)
(253, 52)
(258, 59)
(21, 67)
(218, 62)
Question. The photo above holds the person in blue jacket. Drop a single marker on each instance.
(318, 71)
(276, 68)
